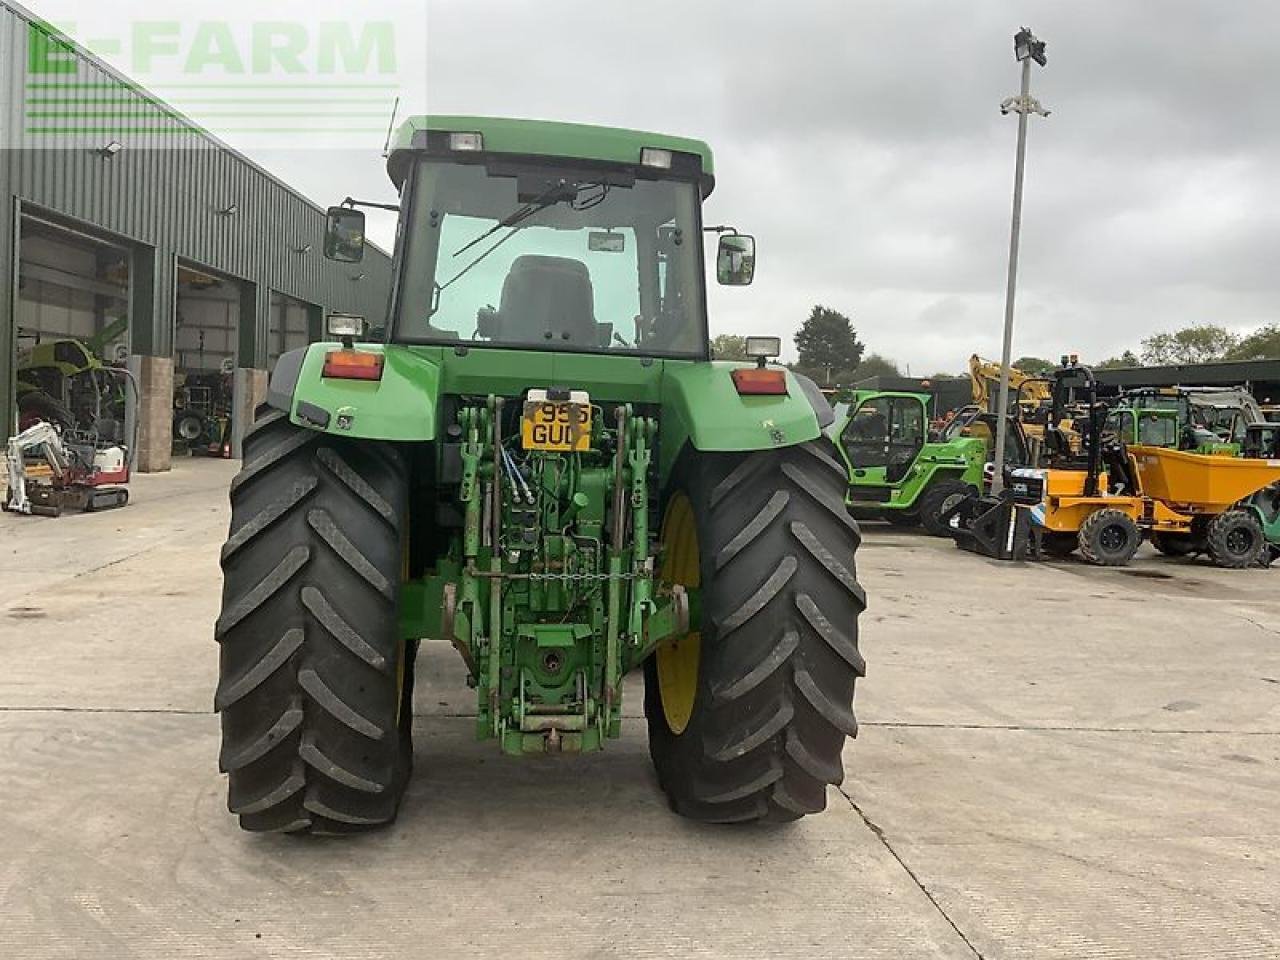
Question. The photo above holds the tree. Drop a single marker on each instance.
(1035, 366)
(828, 345)
(729, 346)
(1262, 344)
(1126, 359)
(876, 366)
(1200, 344)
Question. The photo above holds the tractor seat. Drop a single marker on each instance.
(547, 300)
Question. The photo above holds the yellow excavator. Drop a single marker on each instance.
(1032, 394)
(1033, 391)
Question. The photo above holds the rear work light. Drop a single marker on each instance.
(768, 347)
(352, 365)
(759, 381)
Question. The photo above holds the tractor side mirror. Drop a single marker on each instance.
(736, 260)
(344, 234)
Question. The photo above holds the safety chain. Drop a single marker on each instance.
(583, 576)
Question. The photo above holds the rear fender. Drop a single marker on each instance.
(403, 405)
(701, 408)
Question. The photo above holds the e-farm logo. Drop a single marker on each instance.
(273, 83)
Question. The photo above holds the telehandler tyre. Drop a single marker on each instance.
(1235, 539)
(315, 688)
(939, 497)
(748, 716)
(901, 518)
(1109, 538)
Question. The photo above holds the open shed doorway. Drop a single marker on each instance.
(294, 323)
(205, 345)
(72, 331)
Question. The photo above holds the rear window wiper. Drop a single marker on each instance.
(548, 197)
(560, 192)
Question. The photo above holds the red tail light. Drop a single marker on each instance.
(760, 381)
(352, 365)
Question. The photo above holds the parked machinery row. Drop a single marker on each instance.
(1143, 465)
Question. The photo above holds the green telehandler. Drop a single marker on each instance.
(900, 472)
(539, 465)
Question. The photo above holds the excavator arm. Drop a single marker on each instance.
(984, 379)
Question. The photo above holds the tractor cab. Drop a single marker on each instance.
(526, 251)
(1174, 418)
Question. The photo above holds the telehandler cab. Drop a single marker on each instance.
(901, 472)
(541, 466)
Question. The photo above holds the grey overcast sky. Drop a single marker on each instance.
(862, 144)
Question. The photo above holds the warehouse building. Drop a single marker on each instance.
(157, 246)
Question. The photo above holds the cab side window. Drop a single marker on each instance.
(866, 438)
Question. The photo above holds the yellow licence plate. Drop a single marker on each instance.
(556, 425)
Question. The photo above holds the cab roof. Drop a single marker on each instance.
(543, 138)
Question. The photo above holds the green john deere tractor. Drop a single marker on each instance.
(541, 467)
(898, 472)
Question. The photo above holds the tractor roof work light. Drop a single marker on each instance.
(655, 157)
(466, 142)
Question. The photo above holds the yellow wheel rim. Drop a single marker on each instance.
(678, 658)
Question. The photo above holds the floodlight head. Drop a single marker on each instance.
(1026, 46)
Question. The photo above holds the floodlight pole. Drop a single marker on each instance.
(1026, 48)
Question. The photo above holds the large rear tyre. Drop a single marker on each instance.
(315, 687)
(939, 497)
(1235, 539)
(1109, 538)
(748, 717)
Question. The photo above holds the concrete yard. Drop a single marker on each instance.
(1055, 761)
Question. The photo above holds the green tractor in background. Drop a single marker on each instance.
(1197, 420)
(541, 467)
(900, 472)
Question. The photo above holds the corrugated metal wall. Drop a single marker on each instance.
(163, 193)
